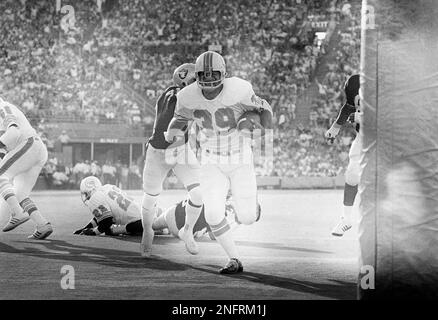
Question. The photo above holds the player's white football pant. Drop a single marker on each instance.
(217, 179)
(353, 172)
(23, 164)
(159, 162)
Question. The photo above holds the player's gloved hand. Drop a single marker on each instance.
(79, 231)
(88, 232)
(332, 133)
(356, 117)
(173, 135)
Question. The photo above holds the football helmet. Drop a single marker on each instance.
(210, 70)
(351, 89)
(88, 186)
(184, 75)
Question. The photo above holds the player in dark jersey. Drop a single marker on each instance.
(350, 112)
(161, 157)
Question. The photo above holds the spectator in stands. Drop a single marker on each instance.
(95, 169)
(108, 173)
(64, 138)
(124, 173)
(134, 176)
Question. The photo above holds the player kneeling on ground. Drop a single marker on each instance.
(115, 213)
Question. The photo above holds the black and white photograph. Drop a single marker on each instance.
(218, 155)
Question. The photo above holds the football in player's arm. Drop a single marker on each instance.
(184, 116)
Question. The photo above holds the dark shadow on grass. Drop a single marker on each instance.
(166, 239)
(103, 256)
(342, 290)
(276, 246)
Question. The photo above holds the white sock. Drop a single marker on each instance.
(192, 214)
(348, 213)
(224, 236)
(15, 206)
(38, 218)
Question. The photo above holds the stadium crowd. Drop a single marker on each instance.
(110, 61)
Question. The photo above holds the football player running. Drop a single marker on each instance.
(350, 112)
(23, 156)
(216, 104)
(115, 213)
(161, 157)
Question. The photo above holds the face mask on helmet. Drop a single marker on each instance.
(209, 79)
(86, 195)
(88, 186)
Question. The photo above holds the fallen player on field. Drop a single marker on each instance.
(115, 213)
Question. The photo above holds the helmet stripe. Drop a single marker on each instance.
(205, 62)
(208, 62)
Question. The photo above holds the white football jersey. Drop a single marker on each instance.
(218, 117)
(110, 201)
(9, 115)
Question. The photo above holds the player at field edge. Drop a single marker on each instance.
(23, 155)
(349, 112)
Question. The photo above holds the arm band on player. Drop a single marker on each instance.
(11, 135)
(104, 226)
(344, 113)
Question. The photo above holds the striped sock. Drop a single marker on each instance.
(8, 193)
(30, 207)
(225, 238)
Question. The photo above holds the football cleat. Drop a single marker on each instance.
(189, 240)
(42, 232)
(343, 226)
(15, 221)
(233, 266)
